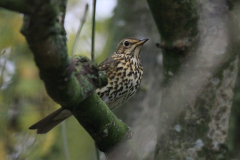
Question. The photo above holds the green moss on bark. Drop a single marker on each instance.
(70, 82)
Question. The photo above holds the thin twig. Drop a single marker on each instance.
(64, 136)
(3, 68)
(82, 21)
(2, 52)
(2, 72)
(93, 28)
(63, 126)
(92, 50)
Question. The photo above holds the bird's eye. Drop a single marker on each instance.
(126, 43)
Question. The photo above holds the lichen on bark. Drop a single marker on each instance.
(198, 79)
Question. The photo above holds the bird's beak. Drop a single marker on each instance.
(142, 41)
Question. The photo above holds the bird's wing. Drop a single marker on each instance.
(109, 62)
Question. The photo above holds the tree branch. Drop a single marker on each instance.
(69, 82)
(22, 6)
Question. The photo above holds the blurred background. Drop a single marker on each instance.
(190, 114)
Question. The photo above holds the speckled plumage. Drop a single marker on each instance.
(124, 71)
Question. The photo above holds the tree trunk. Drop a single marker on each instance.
(200, 70)
(234, 129)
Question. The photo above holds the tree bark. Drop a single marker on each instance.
(200, 68)
(71, 82)
(234, 130)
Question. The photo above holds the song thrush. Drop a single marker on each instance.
(124, 71)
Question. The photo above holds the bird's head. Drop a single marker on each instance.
(130, 47)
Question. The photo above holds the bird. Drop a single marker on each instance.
(124, 71)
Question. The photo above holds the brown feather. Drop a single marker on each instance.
(124, 71)
(49, 122)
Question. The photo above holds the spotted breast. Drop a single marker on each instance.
(124, 71)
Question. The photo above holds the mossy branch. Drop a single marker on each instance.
(22, 6)
(71, 82)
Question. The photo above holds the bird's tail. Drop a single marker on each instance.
(49, 122)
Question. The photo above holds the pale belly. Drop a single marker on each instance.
(119, 91)
(123, 85)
